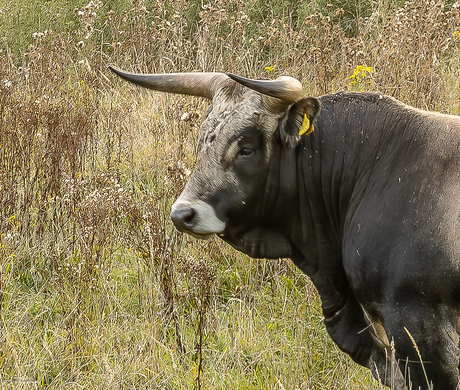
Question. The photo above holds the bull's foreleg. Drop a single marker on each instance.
(354, 334)
(427, 344)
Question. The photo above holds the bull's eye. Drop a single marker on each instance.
(246, 152)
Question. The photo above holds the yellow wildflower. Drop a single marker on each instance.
(360, 75)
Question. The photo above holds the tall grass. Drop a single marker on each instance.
(97, 288)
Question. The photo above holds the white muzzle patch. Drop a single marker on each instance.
(196, 218)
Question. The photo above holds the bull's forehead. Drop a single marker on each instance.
(230, 116)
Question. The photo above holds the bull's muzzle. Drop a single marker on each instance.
(196, 218)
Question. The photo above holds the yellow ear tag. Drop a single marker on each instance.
(306, 127)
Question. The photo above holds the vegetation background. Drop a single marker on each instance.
(98, 291)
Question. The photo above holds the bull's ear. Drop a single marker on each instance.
(298, 120)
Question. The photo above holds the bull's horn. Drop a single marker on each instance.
(196, 84)
(286, 90)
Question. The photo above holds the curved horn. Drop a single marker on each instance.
(286, 90)
(196, 84)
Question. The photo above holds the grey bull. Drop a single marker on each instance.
(367, 205)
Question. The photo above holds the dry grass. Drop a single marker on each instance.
(97, 288)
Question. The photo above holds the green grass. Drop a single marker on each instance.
(266, 334)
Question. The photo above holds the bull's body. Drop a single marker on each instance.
(368, 205)
(377, 221)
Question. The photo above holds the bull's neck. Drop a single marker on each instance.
(334, 164)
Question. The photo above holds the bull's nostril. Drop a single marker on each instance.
(188, 219)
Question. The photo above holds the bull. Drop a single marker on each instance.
(367, 205)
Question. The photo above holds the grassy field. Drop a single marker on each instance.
(98, 291)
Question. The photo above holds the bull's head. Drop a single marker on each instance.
(244, 184)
